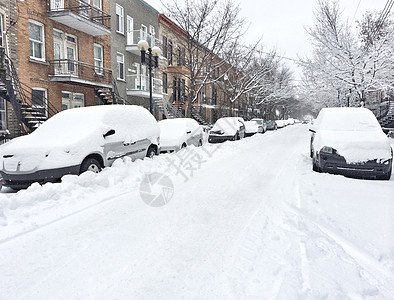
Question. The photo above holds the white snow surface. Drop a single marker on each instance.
(247, 220)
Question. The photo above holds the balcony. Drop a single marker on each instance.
(139, 86)
(134, 36)
(80, 16)
(65, 70)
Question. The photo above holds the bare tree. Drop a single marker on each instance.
(344, 66)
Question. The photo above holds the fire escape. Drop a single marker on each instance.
(29, 116)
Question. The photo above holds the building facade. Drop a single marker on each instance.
(132, 21)
(63, 56)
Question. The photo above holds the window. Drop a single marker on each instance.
(174, 89)
(165, 83)
(144, 32)
(183, 88)
(170, 53)
(3, 120)
(120, 66)
(119, 19)
(98, 59)
(72, 100)
(1, 30)
(36, 38)
(178, 56)
(164, 46)
(183, 56)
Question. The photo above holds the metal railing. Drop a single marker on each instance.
(82, 9)
(134, 36)
(141, 83)
(81, 70)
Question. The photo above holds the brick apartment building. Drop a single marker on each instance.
(63, 58)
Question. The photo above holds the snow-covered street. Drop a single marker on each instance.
(244, 220)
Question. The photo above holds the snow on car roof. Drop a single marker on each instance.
(73, 124)
(347, 118)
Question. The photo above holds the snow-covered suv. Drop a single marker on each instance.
(77, 140)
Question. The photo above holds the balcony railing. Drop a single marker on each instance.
(67, 70)
(79, 15)
(138, 85)
(134, 36)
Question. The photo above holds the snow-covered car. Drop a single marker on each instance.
(262, 125)
(179, 133)
(271, 125)
(251, 128)
(227, 129)
(76, 140)
(290, 121)
(350, 141)
(281, 123)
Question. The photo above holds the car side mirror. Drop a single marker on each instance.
(108, 133)
(312, 130)
(188, 131)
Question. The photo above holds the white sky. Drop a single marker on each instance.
(281, 22)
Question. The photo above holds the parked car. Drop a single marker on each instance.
(350, 141)
(179, 133)
(280, 123)
(251, 128)
(262, 125)
(227, 129)
(77, 140)
(271, 125)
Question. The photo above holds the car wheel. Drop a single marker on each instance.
(151, 152)
(199, 143)
(183, 146)
(237, 136)
(90, 164)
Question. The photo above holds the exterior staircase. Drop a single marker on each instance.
(387, 119)
(169, 110)
(197, 115)
(28, 116)
(109, 95)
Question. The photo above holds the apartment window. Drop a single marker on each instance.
(174, 83)
(183, 87)
(3, 120)
(165, 46)
(165, 83)
(120, 66)
(178, 56)
(1, 30)
(183, 56)
(98, 59)
(170, 53)
(72, 100)
(119, 19)
(36, 38)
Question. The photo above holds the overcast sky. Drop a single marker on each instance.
(281, 22)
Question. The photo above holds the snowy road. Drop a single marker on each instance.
(247, 220)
